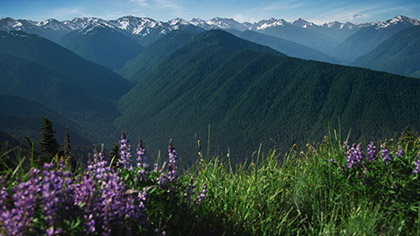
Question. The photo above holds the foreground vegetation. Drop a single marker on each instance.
(331, 188)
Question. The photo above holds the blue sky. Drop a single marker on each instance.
(318, 11)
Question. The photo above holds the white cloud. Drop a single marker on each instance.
(284, 5)
(141, 3)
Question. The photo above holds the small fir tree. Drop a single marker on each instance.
(48, 144)
(67, 146)
(67, 151)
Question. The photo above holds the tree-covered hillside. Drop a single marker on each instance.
(138, 67)
(399, 54)
(103, 45)
(21, 117)
(250, 97)
(96, 79)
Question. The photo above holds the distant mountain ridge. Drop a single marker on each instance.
(400, 54)
(143, 26)
(370, 36)
(339, 42)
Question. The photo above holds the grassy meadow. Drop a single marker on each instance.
(331, 188)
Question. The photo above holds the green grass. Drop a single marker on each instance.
(302, 192)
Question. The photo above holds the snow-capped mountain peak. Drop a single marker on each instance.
(221, 23)
(8, 23)
(136, 25)
(272, 22)
(339, 26)
(83, 22)
(397, 20)
(302, 23)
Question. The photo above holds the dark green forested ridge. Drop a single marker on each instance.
(138, 67)
(399, 54)
(251, 97)
(102, 45)
(40, 83)
(289, 48)
(55, 91)
(21, 117)
(97, 79)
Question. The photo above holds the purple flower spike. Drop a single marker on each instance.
(173, 161)
(189, 191)
(125, 160)
(417, 164)
(399, 153)
(371, 152)
(140, 153)
(202, 194)
(385, 154)
(354, 156)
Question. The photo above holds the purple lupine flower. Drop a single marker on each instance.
(202, 194)
(332, 160)
(52, 189)
(140, 153)
(142, 197)
(89, 224)
(173, 161)
(399, 153)
(354, 156)
(189, 191)
(417, 164)
(141, 162)
(51, 231)
(385, 154)
(17, 219)
(98, 167)
(371, 152)
(125, 160)
(161, 180)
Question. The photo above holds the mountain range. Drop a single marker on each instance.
(241, 84)
(333, 42)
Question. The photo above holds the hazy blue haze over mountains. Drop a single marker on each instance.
(367, 38)
(103, 45)
(400, 54)
(288, 47)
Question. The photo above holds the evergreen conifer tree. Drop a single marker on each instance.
(67, 151)
(48, 143)
(67, 146)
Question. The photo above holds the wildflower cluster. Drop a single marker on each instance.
(101, 200)
(355, 155)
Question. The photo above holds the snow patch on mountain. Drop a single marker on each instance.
(397, 20)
